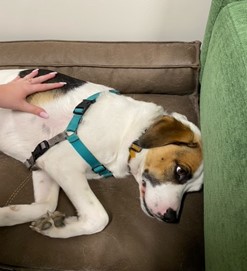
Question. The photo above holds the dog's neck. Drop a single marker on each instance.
(136, 164)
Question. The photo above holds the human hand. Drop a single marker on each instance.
(13, 94)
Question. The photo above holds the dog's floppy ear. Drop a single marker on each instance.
(165, 131)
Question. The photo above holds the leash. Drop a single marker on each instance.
(73, 139)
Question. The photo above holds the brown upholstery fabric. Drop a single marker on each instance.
(165, 73)
(130, 67)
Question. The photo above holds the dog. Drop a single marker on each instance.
(162, 151)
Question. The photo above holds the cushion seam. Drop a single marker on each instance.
(17, 190)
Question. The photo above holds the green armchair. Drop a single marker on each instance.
(224, 127)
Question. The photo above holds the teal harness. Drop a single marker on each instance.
(73, 139)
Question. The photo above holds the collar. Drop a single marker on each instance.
(133, 149)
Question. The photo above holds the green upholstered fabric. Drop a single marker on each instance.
(216, 7)
(224, 131)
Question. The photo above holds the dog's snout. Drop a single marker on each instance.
(170, 216)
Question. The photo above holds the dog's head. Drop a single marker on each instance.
(170, 164)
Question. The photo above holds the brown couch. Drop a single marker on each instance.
(165, 73)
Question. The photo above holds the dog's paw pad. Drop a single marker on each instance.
(46, 225)
(47, 221)
(58, 219)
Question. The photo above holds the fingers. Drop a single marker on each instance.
(31, 77)
(34, 110)
(33, 88)
(45, 87)
(36, 83)
(32, 74)
(28, 76)
(43, 78)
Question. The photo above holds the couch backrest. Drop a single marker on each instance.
(137, 67)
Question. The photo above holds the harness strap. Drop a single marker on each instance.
(84, 152)
(43, 147)
(79, 111)
(73, 139)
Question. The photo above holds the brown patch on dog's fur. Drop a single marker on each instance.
(171, 144)
(165, 131)
(41, 98)
(161, 161)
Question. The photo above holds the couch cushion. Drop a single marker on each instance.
(224, 126)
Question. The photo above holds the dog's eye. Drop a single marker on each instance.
(181, 174)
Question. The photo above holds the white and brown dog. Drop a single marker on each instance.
(166, 158)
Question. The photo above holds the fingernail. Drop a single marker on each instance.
(43, 115)
(64, 83)
(35, 70)
(53, 72)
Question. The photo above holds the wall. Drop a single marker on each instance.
(103, 20)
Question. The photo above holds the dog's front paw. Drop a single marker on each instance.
(47, 221)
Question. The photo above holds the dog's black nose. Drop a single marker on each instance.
(170, 216)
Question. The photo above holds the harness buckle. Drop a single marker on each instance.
(135, 147)
(40, 149)
(102, 171)
(82, 107)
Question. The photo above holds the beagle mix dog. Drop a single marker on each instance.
(162, 151)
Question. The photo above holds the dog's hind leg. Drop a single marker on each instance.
(91, 216)
(46, 196)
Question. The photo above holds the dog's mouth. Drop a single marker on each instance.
(143, 188)
(146, 208)
(144, 204)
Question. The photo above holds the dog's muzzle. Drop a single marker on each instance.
(170, 216)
